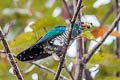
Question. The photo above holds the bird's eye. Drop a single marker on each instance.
(88, 27)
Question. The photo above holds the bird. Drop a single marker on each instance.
(52, 42)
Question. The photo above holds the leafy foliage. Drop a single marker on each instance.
(88, 35)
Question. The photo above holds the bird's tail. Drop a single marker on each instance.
(33, 53)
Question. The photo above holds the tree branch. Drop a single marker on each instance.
(117, 41)
(87, 75)
(45, 29)
(10, 57)
(79, 60)
(49, 70)
(106, 15)
(91, 52)
(67, 8)
(68, 40)
(79, 56)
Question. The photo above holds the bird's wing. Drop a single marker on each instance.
(52, 33)
(36, 51)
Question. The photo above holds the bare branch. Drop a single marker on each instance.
(45, 29)
(79, 60)
(31, 67)
(106, 15)
(85, 45)
(91, 52)
(10, 57)
(87, 75)
(67, 8)
(49, 70)
(68, 40)
(79, 56)
(117, 41)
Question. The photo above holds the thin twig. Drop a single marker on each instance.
(31, 67)
(68, 40)
(16, 70)
(91, 52)
(85, 45)
(70, 73)
(106, 15)
(87, 75)
(67, 8)
(45, 29)
(49, 70)
(117, 41)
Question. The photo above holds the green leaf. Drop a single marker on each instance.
(88, 34)
(22, 41)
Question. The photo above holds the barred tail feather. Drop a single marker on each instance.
(33, 53)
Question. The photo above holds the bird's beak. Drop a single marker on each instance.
(87, 25)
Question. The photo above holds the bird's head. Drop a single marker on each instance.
(79, 27)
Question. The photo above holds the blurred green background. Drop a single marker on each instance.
(27, 19)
